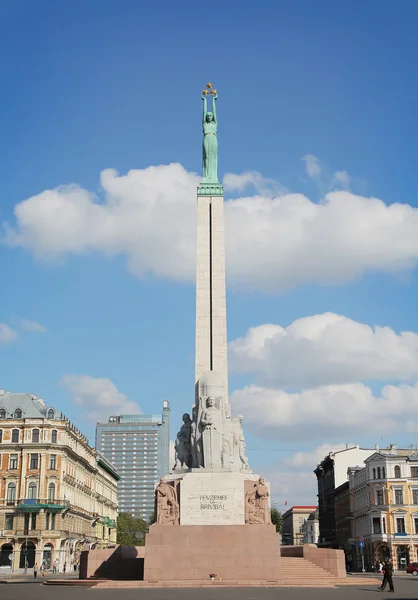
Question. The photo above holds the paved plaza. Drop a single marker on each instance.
(406, 588)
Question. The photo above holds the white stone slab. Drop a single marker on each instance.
(213, 498)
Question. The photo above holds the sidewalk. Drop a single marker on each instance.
(19, 575)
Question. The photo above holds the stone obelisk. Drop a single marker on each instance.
(211, 339)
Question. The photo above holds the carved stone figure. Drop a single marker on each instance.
(257, 504)
(238, 442)
(211, 416)
(167, 504)
(196, 440)
(183, 444)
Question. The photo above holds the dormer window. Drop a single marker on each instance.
(2, 413)
(374, 473)
(397, 472)
(18, 413)
(51, 413)
(379, 474)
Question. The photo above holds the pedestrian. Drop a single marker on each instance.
(42, 569)
(35, 570)
(387, 576)
(64, 568)
(54, 567)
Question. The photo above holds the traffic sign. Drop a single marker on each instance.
(361, 539)
(361, 544)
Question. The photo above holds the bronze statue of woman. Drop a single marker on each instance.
(210, 142)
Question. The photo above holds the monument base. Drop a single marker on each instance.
(231, 552)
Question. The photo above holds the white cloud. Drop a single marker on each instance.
(293, 487)
(340, 180)
(31, 326)
(263, 185)
(272, 243)
(312, 166)
(99, 397)
(323, 349)
(329, 412)
(311, 459)
(7, 334)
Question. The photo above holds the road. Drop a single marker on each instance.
(405, 589)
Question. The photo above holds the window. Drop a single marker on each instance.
(13, 461)
(54, 436)
(397, 472)
(53, 462)
(32, 491)
(384, 524)
(379, 474)
(15, 436)
(11, 492)
(414, 471)
(33, 461)
(51, 413)
(400, 525)
(2, 413)
(379, 497)
(47, 515)
(18, 413)
(399, 496)
(51, 492)
(52, 520)
(8, 522)
(33, 526)
(383, 472)
(376, 525)
(414, 496)
(1, 435)
(374, 473)
(35, 436)
(416, 524)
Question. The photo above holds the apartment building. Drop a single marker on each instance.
(58, 495)
(293, 525)
(384, 506)
(138, 446)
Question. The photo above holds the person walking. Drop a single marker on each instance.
(54, 567)
(388, 576)
(64, 568)
(35, 570)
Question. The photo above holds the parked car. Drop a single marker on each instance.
(413, 568)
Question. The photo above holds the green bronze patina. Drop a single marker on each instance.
(210, 185)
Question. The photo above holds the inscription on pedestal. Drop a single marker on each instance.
(213, 502)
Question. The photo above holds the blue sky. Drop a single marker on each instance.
(115, 85)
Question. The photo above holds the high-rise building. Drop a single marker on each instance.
(58, 495)
(138, 447)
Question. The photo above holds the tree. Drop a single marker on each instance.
(277, 519)
(131, 531)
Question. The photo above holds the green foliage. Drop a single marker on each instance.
(152, 518)
(131, 531)
(277, 519)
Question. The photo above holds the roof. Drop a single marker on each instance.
(32, 407)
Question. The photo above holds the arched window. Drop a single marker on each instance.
(35, 436)
(15, 436)
(18, 413)
(379, 474)
(11, 492)
(54, 436)
(32, 491)
(383, 472)
(2, 413)
(374, 473)
(51, 492)
(51, 413)
(397, 472)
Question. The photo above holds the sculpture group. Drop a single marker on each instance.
(211, 439)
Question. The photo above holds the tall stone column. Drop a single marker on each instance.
(211, 336)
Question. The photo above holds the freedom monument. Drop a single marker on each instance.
(212, 511)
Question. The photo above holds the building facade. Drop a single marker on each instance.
(293, 524)
(311, 528)
(57, 494)
(331, 473)
(138, 447)
(384, 505)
